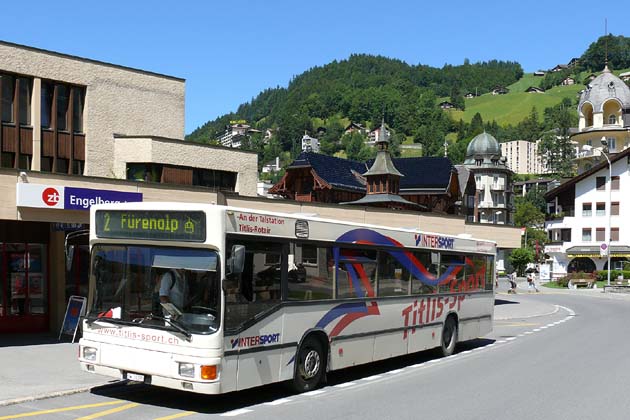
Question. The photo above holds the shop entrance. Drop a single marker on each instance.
(24, 291)
(24, 277)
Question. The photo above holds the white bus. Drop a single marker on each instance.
(271, 297)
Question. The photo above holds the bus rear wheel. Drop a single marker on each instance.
(449, 336)
(310, 365)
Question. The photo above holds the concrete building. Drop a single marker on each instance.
(522, 157)
(583, 209)
(74, 132)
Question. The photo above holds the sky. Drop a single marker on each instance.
(229, 51)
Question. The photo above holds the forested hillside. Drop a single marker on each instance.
(364, 89)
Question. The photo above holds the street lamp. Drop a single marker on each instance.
(604, 149)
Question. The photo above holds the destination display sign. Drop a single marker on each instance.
(187, 226)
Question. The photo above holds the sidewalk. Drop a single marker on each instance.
(38, 366)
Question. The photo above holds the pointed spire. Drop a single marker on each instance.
(382, 140)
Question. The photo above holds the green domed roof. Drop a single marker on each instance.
(482, 146)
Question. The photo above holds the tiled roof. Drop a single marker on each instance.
(419, 172)
(424, 172)
(335, 171)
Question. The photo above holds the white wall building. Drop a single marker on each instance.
(583, 207)
(522, 157)
(310, 144)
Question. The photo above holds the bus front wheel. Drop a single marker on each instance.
(449, 336)
(310, 365)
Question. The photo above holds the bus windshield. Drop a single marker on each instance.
(156, 287)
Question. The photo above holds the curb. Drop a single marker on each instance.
(555, 310)
(55, 394)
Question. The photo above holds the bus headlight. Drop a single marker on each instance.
(89, 353)
(187, 369)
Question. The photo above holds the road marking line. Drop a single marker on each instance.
(393, 372)
(344, 385)
(313, 393)
(536, 329)
(528, 332)
(417, 365)
(110, 411)
(59, 410)
(544, 327)
(499, 342)
(510, 338)
(178, 415)
(279, 401)
(372, 378)
(236, 412)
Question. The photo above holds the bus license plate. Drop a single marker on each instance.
(135, 377)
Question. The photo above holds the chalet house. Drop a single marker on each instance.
(573, 62)
(271, 166)
(354, 127)
(373, 135)
(235, 133)
(535, 89)
(500, 90)
(559, 67)
(540, 73)
(589, 78)
(446, 105)
(470, 95)
(568, 81)
(625, 76)
(430, 182)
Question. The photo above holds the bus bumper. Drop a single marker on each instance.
(173, 383)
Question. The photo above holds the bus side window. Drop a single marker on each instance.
(310, 272)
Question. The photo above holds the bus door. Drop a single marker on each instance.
(251, 297)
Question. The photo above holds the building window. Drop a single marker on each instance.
(586, 235)
(7, 88)
(587, 209)
(600, 183)
(600, 210)
(78, 99)
(63, 94)
(614, 208)
(612, 119)
(612, 143)
(614, 234)
(615, 183)
(26, 86)
(600, 234)
(48, 91)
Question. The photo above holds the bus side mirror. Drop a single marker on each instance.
(237, 260)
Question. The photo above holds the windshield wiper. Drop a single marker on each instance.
(173, 324)
(91, 319)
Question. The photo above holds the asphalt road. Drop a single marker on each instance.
(572, 364)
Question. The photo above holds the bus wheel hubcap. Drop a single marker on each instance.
(311, 364)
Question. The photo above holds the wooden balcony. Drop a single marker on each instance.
(307, 198)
